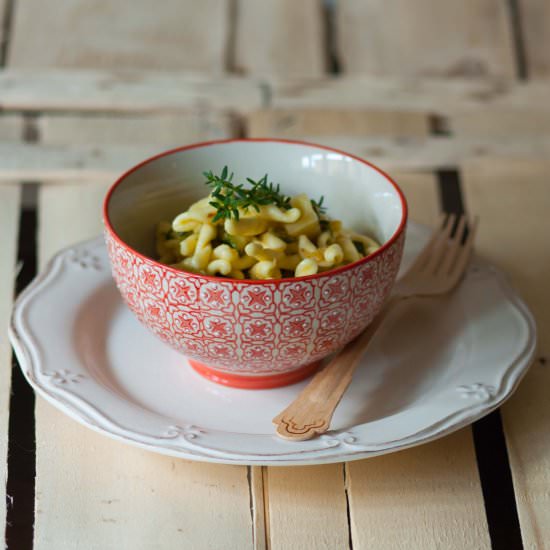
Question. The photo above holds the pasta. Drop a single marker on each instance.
(237, 233)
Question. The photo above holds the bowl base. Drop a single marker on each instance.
(254, 382)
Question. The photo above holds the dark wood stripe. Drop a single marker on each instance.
(450, 194)
(516, 23)
(490, 446)
(496, 483)
(21, 435)
(332, 60)
(348, 506)
(231, 43)
(5, 30)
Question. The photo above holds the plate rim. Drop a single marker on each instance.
(24, 344)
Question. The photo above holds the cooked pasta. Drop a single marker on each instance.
(234, 234)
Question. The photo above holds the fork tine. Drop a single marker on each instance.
(456, 245)
(464, 256)
(443, 222)
(439, 248)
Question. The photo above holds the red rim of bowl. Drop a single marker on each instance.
(383, 247)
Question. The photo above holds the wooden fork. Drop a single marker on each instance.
(436, 271)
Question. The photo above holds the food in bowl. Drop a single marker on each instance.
(257, 232)
(254, 333)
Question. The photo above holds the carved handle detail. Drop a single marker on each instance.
(287, 428)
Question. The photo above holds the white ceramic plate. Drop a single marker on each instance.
(435, 366)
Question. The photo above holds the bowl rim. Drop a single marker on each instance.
(202, 144)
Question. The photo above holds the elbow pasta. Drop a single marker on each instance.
(269, 242)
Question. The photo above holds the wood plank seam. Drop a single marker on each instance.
(251, 503)
(331, 49)
(31, 132)
(21, 442)
(10, 198)
(6, 20)
(496, 482)
(265, 487)
(492, 461)
(516, 22)
(257, 507)
(231, 42)
(348, 505)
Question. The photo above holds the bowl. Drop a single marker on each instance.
(249, 333)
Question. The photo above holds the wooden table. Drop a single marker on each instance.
(451, 97)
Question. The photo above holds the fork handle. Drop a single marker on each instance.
(311, 412)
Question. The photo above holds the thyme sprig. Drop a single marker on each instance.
(230, 198)
(265, 192)
(318, 206)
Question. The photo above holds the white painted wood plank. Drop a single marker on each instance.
(60, 163)
(96, 493)
(502, 123)
(306, 507)
(513, 200)
(403, 501)
(469, 38)
(9, 218)
(435, 153)
(124, 90)
(535, 20)
(11, 127)
(296, 123)
(176, 35)
(63, 163)
(428, 497)
(158, 129)
(88, 145)
(279, 37)
(390, 93)
(429, 95)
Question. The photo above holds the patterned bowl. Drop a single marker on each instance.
(254, 334)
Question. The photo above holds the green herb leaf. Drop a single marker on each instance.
(231, 198)
(318, 206)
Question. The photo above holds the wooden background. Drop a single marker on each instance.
(451, 97)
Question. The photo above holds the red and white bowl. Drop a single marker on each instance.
(254, 334)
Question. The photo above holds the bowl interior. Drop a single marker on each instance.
(356, 193)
